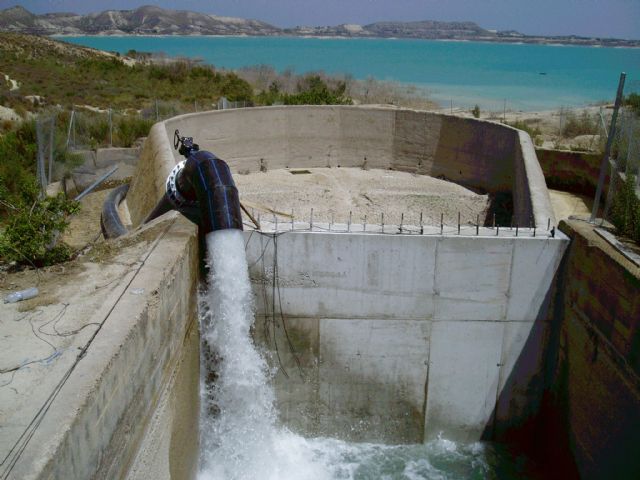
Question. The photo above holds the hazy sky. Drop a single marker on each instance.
(607, 18)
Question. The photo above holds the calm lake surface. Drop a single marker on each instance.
(529, 77)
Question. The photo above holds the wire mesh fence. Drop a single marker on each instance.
(93, 128)
(622, 159)
(45, 135)
(63, 135)
(622, 206)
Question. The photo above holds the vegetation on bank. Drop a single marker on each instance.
(67, 75)
(30, 222)
(53, 78)
(625, 209)
(633, 102)
(532, 129)
(625, 204)
(310, 90)
(578, 124)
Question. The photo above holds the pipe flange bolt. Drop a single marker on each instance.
(176, 199)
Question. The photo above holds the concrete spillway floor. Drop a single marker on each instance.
(334, 192)
(567, 204)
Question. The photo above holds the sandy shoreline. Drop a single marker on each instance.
(505, 41)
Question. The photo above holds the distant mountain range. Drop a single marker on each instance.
(151, 20)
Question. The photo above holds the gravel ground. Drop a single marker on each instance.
(336, 191)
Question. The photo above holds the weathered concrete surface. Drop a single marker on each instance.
(400, 337)
(141, 289)
(596, 375)
(566, 205)
(155, 164)
(473, 153)
(169, 448)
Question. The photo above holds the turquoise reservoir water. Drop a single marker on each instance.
(529, 77)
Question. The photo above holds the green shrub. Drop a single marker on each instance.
(633, 101)
(30, 234)
(91, 129)
(312, 90)
(235, 88)
(533, 131)
(130, 128)
(625, 209)
(29, 223)
(270, 96)
(583, 124)
(17, 158)
(475, 111)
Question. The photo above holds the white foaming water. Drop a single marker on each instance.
(240, 434)
(241, 441)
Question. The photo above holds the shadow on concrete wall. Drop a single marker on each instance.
(593, 382)
(575, 172)
(528, 416)
(475, 154)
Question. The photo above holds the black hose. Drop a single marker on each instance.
(110, 223)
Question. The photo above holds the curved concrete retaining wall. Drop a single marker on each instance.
(474, 153)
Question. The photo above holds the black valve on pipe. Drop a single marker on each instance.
(201, 188)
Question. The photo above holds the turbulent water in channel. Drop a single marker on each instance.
(241, 437)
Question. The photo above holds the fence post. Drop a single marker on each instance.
(42, 178)
(110, 128)
(71, 120)
(52, 135)
(607, 150)
(629, 147)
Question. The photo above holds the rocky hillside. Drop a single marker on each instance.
(150, 20)
(144, 20)
(39, 72)
(425, 29)
(159, 21)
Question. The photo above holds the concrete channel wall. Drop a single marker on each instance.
(402, 337)
(596, 376)
(139, 362)
(474, 153)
